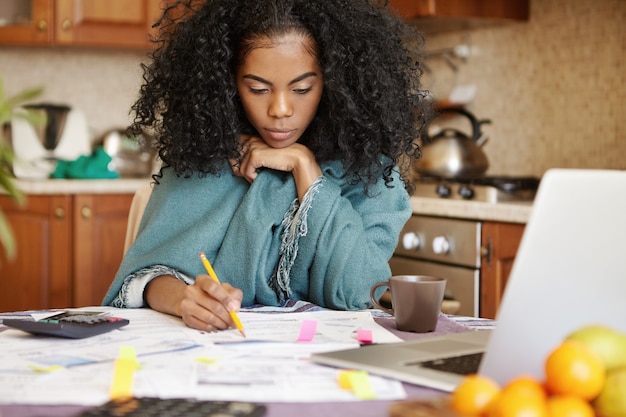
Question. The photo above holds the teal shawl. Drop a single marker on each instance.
(328, 250)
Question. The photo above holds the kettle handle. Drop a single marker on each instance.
(476, 124)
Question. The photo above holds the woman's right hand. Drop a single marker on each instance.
(206, 304)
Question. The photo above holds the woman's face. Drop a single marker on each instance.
(280, 85)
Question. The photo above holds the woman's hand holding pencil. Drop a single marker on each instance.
(213, 275)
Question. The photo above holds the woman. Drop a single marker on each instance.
(281, 124)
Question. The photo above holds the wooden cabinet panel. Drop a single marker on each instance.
(37, 30)
(495, 9)
(40, 275)
(436, 16)
(112, 12)
(99, 230)
(60, 247)
(115, 23)
(69, 248)
(500, 242)
(96, 23)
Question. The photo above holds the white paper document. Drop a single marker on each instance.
(269, 365)
(332, 327)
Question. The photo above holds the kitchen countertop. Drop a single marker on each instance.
(510, 212)
(62, 186)
(513, 212)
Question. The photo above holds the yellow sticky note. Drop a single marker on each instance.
(205, 360)
(45, 369)
(128, 352)
(123, 373)
(358, 382)
(344, 380)
(361, 386)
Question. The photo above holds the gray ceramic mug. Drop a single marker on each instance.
(415, 301)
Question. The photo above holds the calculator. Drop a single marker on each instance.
(178, 407)
(69, 324)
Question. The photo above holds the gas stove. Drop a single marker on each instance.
(491, 189)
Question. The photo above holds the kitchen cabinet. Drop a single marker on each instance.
(499, 244)
(94, 23)
(69, 248)
(26, 22)
(435, 16)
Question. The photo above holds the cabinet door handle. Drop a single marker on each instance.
(486, 251)
(59, 213)
(86, 212)
(66, 25)
(42, 26)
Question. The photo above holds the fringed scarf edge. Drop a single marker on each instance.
(294, 227)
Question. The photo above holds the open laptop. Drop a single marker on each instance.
(570, 271)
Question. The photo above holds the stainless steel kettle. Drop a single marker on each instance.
(131, 155)
(452, 154)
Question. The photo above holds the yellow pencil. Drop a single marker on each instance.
(212, 274)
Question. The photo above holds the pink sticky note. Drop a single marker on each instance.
(307, 331)
(364, 335)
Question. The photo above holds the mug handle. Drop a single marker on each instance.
(375, 301)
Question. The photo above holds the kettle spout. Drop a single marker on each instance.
(482, 140)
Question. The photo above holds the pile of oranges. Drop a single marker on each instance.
(574, 376)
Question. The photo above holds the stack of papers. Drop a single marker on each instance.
(270, 365)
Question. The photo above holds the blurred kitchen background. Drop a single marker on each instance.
(553, 86)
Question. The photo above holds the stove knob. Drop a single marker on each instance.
(466, 192)
(410, 241)
(441, 245)
(443, 190)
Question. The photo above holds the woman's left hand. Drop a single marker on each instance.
(295, 158)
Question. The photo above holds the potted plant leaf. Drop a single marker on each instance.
(8, 105)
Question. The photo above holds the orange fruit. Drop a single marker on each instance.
(572, 368)
(474, 395)
(527, 386)
(523, 396)
(569, 406)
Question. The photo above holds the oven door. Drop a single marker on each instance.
(462, 284)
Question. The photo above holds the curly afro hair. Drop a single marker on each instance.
(372, 107)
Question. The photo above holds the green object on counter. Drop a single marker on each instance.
(90, 167)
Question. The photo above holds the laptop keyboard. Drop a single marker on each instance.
(462, 365)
